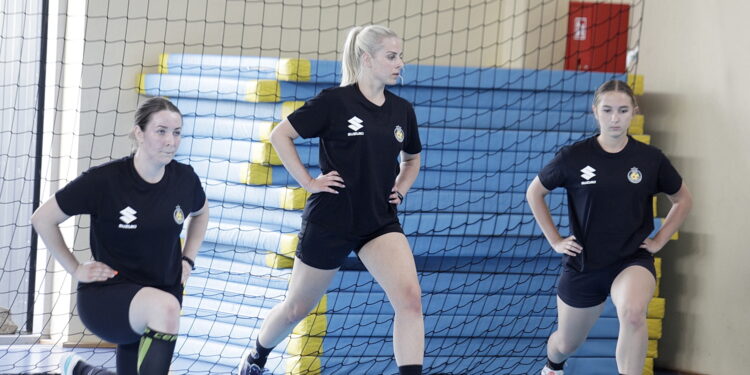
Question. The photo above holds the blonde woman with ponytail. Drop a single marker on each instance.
(363, 129)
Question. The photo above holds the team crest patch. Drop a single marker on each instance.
(634, 175)
(178, 215)
(399, 133)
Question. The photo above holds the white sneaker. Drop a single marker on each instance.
(548, 371)
(68, 363)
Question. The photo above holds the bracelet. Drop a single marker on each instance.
(400, 196)
(189, 261)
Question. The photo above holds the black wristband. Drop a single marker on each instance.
(189, 261)
(400, 196)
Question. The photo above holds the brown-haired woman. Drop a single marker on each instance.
(610, 180)
(131, 293)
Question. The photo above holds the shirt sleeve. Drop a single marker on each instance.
(78, 196)
(553, 174)
(412, 143)
(670, 180)
(200, 194)
(311, 120)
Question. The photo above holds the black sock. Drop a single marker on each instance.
(127, 359)
(410, 370)
(555, 366)
(83, 368)
(262, 354)
(155, 352)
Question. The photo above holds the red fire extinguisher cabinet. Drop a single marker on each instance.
(597, 37)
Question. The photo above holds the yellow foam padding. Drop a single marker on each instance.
(142, 84)
(656, 308)
(656, 291)
(256, 174)
(264, 130)
(263, 153)
(317, 325)
(293, 70)
(302, 365)
(636, 82)
(643, 138)
(653, 203)
(288, 244)
(653, 349)
(654, 328)
(293, 198)
(648, 367)
(636, 125)
(263, 91)
(657, 265)
(164, 63)
(278, 261)
(305, 345)
(288, 107)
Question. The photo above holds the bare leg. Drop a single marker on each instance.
(391, 263)
(573, 325)
(307, 286)
(631, 292)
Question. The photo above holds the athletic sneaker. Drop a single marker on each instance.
(68, 363)
(248, 367)
(548, 371)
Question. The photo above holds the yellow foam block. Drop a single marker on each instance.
(293, 70)
(636, 82)
(657, 266)
(293, 198)
(305, 346)
(637, 125)
(262, 91)
(656, 308)
(302, 365)
(654, 328)
(163, 63)
(322, 305)
(648, 367)
(316, 325)
(288, 244)
(656, 291)
(653, 203)
(142, 84)
(288, 107)
(278, 261)
(653, 349)
(264, 130)
(643, 138)
(256, 174)
(263, 153)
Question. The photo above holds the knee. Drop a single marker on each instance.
(566, 345)
(409, 301)
(633, 316)
(166, 314)
(294, 312)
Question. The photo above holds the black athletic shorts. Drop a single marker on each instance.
(324, 249)
(590, 288)
(104, 309)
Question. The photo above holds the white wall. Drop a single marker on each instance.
(696, 59)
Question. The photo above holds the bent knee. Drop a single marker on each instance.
(408, 300)
(294, 312)
(633, 316)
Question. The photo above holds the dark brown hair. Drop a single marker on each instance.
(150, 106)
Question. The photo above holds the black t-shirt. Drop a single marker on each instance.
(135, 225)
(362, 141)
(609, 196)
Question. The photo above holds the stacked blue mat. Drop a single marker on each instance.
(487, 275)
